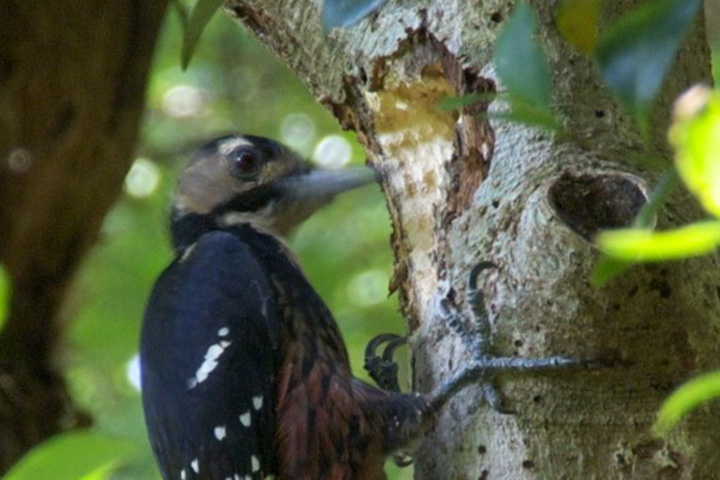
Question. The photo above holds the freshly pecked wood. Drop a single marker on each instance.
(461, 189)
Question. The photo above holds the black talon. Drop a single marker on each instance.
(477, 270)
(392, 346)
(383, 370)
(484, 366)
(375, 342)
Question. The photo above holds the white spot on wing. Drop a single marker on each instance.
(220, 432)
(245, 419)
(209, 364)
(257, 402)
(183, 474)
(195, 466)
(255, 464)
(186, 253)
(223, 331)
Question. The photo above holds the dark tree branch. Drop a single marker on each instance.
(72, 85)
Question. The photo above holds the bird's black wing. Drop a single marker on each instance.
(209, 356)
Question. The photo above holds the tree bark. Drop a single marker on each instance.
(72, 84)
(462, 189)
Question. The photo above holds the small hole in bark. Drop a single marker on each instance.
(518, 343)
(363, 76)
(482, 449)
(484, 475)
(528, 464)
(496, 17)
(496, 203)
(590, 203)
(599, 113)
(537, 399)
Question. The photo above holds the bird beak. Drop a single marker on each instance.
(322, 185)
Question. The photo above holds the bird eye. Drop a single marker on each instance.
(245, 160)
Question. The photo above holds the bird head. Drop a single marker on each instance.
(244, 179)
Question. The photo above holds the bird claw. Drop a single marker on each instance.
(485, 367)
(383, 369)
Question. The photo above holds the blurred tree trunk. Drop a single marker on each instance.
(462, 189)
(72, 85)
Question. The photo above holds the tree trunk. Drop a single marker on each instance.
(462, 189)
(72, 84)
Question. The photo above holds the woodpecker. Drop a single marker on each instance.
(244, 372)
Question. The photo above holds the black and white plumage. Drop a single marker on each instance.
(211, 396)
(244, 372)
(241, 360)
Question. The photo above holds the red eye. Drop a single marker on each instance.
(245, 160)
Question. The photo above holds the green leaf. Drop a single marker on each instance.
(608, 267)
(525, 114)
(521, 63)
(346, 13)
(578, 22)
(695, 134)
(196, 23)
(693, 393)
(182, 13)
(636, 52)
(72, 456)
(646, 245)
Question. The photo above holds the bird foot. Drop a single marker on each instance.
(382, 368)
(485, 367)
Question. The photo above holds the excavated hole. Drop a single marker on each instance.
(590, 203)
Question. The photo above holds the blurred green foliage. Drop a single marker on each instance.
(695, 137)
(524, 68)
(636, 52)
(346, 13)
(233, 85)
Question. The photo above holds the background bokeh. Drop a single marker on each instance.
(233, 84)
